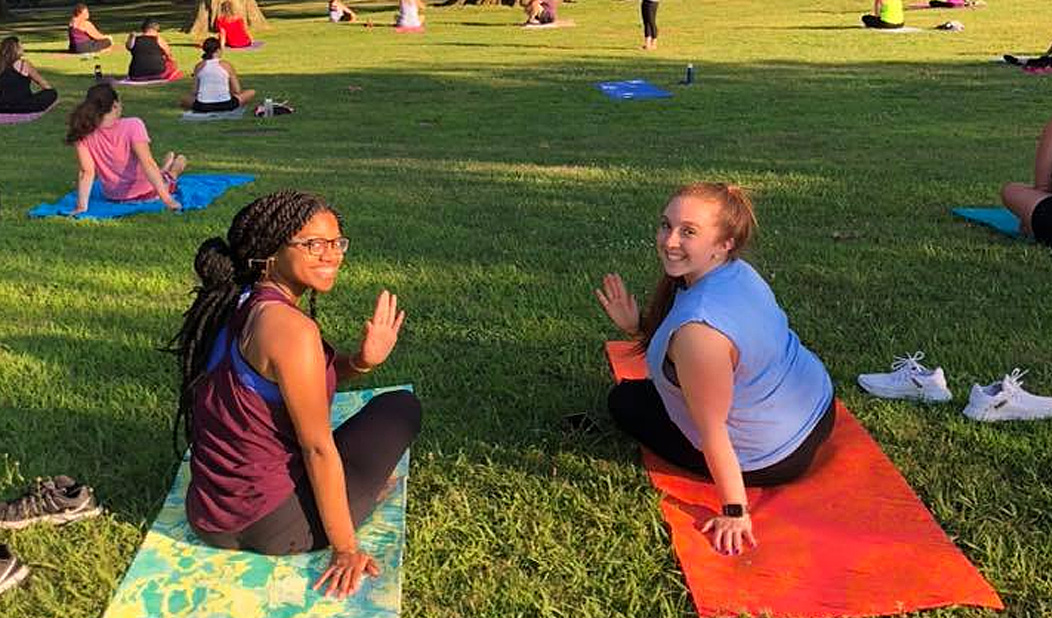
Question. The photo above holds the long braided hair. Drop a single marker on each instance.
(225, 268)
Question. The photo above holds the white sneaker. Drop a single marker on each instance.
(1006, 401)
(908, 380)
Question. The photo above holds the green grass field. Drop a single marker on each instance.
(484, 179)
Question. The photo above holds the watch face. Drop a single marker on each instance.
(733, 510)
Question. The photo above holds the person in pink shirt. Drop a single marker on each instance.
(117, 150)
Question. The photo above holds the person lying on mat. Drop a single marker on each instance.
(733, 394)
(887, 14)
(231, 27)
(151, 57)
(84, 37)
(268, 472)
(16, 78)
(339, 11)
(216, 86)
(117, 150)
(1032, 203)
(540, 11)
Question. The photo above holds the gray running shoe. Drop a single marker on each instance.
(55, 500)
(12, 572)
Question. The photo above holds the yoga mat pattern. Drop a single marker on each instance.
(633, 89)
(999, 219)
(176, 576)
(849, 538)
(194, 192)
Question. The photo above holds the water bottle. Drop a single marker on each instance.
(98, 72)
(268, 107)
(690, 75)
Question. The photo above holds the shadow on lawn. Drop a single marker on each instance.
(499, 182)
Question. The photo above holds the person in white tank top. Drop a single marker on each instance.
(216, 85)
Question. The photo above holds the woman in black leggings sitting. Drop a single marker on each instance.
(268, 473)
(16, 75)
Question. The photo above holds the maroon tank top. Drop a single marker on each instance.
(245, 459)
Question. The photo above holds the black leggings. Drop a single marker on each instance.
(370, 444)
(91, 47)
(872, 21)
(37, 102)
(649, 9)
(637, 409)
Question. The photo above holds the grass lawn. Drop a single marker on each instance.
(485, 180)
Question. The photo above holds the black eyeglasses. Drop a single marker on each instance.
(317, 246)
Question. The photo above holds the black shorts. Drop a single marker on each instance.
(1041, 221)
(546, 17)
(222, 106)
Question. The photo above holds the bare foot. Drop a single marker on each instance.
(389, 487)
(168, 158)
(77, 211)
(177, 166)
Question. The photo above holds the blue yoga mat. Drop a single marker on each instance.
(633, 89)
(194, 192)
(176, 575)
(1000, 219)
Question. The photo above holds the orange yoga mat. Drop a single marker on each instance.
(849, 538)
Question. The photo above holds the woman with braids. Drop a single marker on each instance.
(732, 392)
(268, 473)
(118, 151)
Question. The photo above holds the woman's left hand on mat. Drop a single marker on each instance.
(729, 534)
(381, 331)
(345, 572)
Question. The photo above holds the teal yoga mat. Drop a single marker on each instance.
(1000, 219)
(175, 575)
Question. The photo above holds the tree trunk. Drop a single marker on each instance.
(203, 19)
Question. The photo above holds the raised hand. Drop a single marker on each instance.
(381, 331)
(619, 304)
(345, 571)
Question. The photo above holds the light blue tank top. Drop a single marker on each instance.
(781, 389)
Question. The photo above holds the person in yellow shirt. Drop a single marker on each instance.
(886, 14)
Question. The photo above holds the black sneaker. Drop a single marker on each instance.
(58, 501)
(1010, 59)
(12, 572)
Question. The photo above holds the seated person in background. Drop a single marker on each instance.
(1032, 203)
(216, 87)
(84, 37)
(151, 57)
(16, 75)
(887, 14)
(1043, 61)
(409, 14)
(733, 394)
(540, 11)
(231, 28)
(268, 472)
(118, 150)
(339, 11)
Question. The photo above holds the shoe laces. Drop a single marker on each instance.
(37, 499)
(1013, 382)
(909, 363)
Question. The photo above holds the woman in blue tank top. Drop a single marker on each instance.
(733, 394)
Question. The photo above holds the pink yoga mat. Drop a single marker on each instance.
(23, 118)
